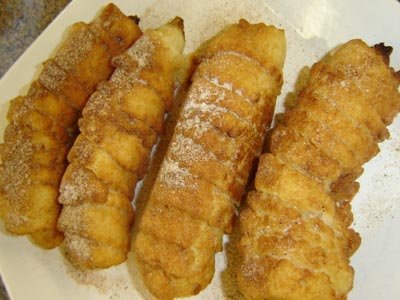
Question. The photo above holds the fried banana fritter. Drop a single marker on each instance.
(219, 133)
(120, 125)
(43, 124)
(295, 237)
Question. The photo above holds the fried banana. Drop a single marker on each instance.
(43, 124)
(295, 237)
(120, 124)
(219, 133)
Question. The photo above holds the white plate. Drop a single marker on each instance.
(312, 27)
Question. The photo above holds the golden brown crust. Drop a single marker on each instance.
(116, 30)
(106, 106)
(120, 124)
(358, 139)
(294, 149)
(158, 76)
(43, 125)
(295, 241)
(258, 41)
(219, 132)
(101, 164)
(321, 136)
(217, 211)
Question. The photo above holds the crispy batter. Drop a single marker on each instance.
(116, 30)
(102, 108)
(304, 123)
(43, 124)
(297, 151)
(358, 138)
(161, 81)
(100, 162)
(120, 124)
(295, 241)
(219, 132)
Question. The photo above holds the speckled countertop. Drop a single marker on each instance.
(21, 21)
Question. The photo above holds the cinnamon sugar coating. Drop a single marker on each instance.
(295, 236)
(219, 133)
(120, 124)
(43, 124)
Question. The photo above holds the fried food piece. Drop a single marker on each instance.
(219, 133)
(120, 125)
(295, 242)
(43, 124)
(84, 58)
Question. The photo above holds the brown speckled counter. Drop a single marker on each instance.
(21, 21)
(3, 292)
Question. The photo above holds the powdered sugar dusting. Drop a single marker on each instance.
(16, 175)
(187, 150)
(219, 101)
(130, 64)
(203, 108)
(203, 92)
(80, 246)
(173, 176)
(52, 76)
(204, 103)
(100, 102)
(225, 85)
(75, 49)
(74, 189)
(142, 51)
(125, 80)
(198, 126)
(245, 57)
(137, 57)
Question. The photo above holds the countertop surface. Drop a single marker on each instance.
(21, 21)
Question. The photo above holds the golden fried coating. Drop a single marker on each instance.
(126, 149)
(43, 124)
(102, 107)
(120, 124)
(84, 58)
(295, 242)
(217, 211)
(219, 133)
(306, 124)
(158, 43)
(115, 29)
(101, 163)
(295, 150)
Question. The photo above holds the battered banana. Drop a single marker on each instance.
(43, 124)
(295, 241)
(120, 125)
(220, 131)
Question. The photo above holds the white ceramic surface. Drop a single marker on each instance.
(312, 27)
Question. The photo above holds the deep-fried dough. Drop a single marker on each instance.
(43, 124)
(295, 241)
(219, 132)
(120, 124)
